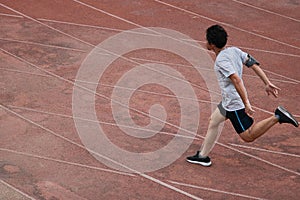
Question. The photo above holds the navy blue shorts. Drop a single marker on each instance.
(239, 118)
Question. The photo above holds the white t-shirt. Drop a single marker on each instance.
(228, 62)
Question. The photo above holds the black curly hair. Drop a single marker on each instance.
(217, 36)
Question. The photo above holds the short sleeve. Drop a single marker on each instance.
(243, 55)
(226, 67)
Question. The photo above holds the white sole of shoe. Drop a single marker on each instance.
(200, 163)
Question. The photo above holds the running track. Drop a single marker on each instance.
(43, 44)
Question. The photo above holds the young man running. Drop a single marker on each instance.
(235, 104)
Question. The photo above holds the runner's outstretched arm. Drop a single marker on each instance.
(270, 87)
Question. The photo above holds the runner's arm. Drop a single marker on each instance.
(270, 87)
(240, 88)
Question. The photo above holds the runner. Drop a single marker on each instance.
(235, 104)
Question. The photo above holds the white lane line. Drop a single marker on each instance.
(10, 15)
(265, 150)
(112, 15)
(25, 72)
(267, 11)
(226, 24)
(95, 27)
(44, 45)
(65, 162)
(270, 52)
(102, 156)
(61, 78)
(16, 190)
(282, 76)
(269, 112)
(215, 190)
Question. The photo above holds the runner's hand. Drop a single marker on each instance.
(249, 110)
(272, 89)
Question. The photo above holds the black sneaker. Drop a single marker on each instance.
(285, 116)
(198, 160)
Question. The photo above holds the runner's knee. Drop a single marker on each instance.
(246, 136)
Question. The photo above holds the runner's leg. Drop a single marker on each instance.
(258, 129)
(212, 133)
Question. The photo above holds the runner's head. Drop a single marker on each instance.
(217, 36)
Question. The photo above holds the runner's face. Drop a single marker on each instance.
(208, 46)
